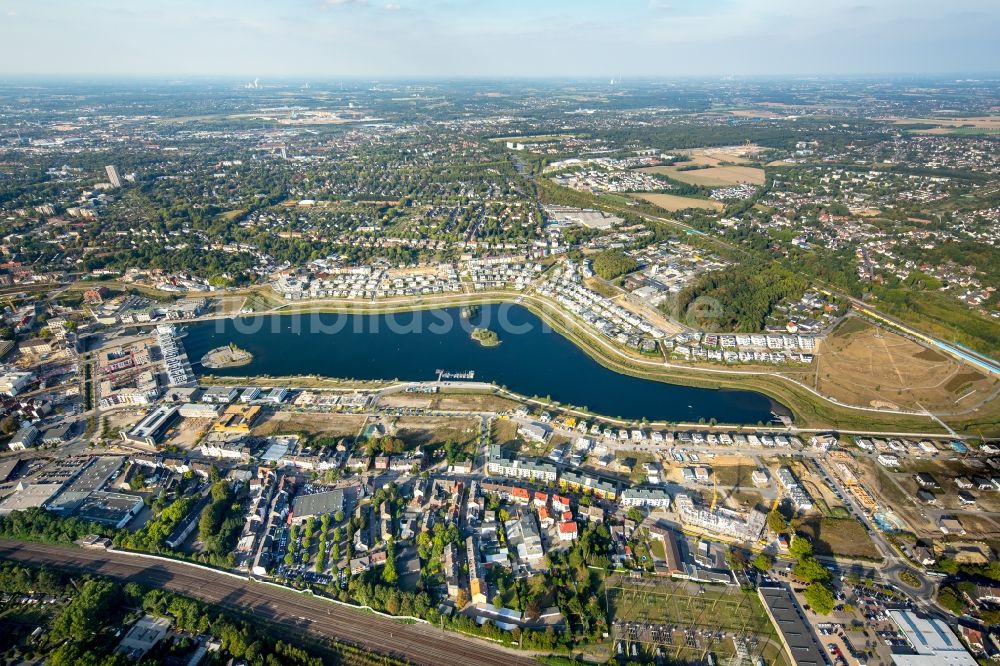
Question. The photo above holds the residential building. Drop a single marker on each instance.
(23, 438)
(645, 497)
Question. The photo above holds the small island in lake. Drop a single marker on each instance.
(229, 356)
(485, 337)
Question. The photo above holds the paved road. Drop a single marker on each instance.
(302, 614)
(894, 564)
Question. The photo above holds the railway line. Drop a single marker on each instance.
(300, 613)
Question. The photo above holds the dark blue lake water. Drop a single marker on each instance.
(531, 359)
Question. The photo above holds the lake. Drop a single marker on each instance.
(531, 359)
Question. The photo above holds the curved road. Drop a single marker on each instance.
(301, 613)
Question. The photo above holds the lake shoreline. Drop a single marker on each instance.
(536, 359)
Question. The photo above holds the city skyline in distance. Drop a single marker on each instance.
(470, 38)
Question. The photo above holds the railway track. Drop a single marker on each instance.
(303, 614)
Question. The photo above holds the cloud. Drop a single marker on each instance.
(392, 7)
(344, 3)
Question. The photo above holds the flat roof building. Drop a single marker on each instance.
(317, 504)
(23, 438)
(199, 410)
(13, 383)
(143, 636)
(152, 427)
(219, 395)
(932, 642)
(92, 475)
(28, 496)
(114, 509)
(237, 419)
(801, 645)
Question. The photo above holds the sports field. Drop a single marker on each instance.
(686, 621)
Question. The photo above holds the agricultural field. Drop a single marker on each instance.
(970, 125)
(719, 176)
(717, 167)
(686, 621)
(672, 202)
(862, 364)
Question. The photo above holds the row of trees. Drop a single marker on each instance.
(810, 570)
(82, 630)
(220, 522)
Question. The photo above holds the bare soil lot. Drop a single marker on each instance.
(407, 400)
(474, 402)
(733, 471)
(187, 432)
(333, 425)
(422, 430)
(864, 365)
(839, 536)
(504, 430)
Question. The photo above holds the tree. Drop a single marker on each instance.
(762, 562)
(800, 547)
(83, 616)
(389, 573)
(820, 598)
(810, 570)
(635, 515)
(776, 522)
(8, 425)
(533, 610)
(461, 598)
(948, 566)
(613, 263)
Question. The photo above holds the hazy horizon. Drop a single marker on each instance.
(518, 39)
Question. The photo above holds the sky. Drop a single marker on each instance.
(498, 38)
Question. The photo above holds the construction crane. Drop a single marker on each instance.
(715, 492)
